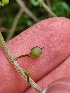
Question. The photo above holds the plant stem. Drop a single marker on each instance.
(12, 30)
(49, 5)
(47, 8)
(26, 10)
(16, 65)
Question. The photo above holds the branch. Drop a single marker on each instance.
(12, 30)
(26, 10)
(16, 65)
(3, 29)
(49, 5)
(47, 8)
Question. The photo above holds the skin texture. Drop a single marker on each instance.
(53, 35)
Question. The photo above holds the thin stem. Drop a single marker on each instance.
(16, 65)
(12, 30)
(27, 11)
(49, 5)
(47, 8)
(3, 29)
(0, 4)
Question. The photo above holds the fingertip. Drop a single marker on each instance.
(60, 86)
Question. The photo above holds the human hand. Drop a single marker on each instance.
(53, 35)
(60, 86)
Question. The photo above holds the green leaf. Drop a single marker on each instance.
(61, 9)
(4, 2)
(34, 2)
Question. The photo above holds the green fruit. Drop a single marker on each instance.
(27, 72)
(36, 52)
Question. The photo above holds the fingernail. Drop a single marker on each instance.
(45, 90)
(59, 87)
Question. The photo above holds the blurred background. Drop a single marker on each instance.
(19, 15)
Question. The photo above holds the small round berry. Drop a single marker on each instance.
(36, 52)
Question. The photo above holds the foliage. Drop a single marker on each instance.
(8, 13)
(34, 2)
(61, 9)
(4, 2)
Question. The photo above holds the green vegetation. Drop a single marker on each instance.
(19, 15)
(9, 11)
(35, 52)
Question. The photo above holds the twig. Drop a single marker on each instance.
(16, 65)
(47, 8)
(11, 32)
(3, 29)
(49, 5)
(27, 11)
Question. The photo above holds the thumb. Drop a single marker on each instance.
(60, 86)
